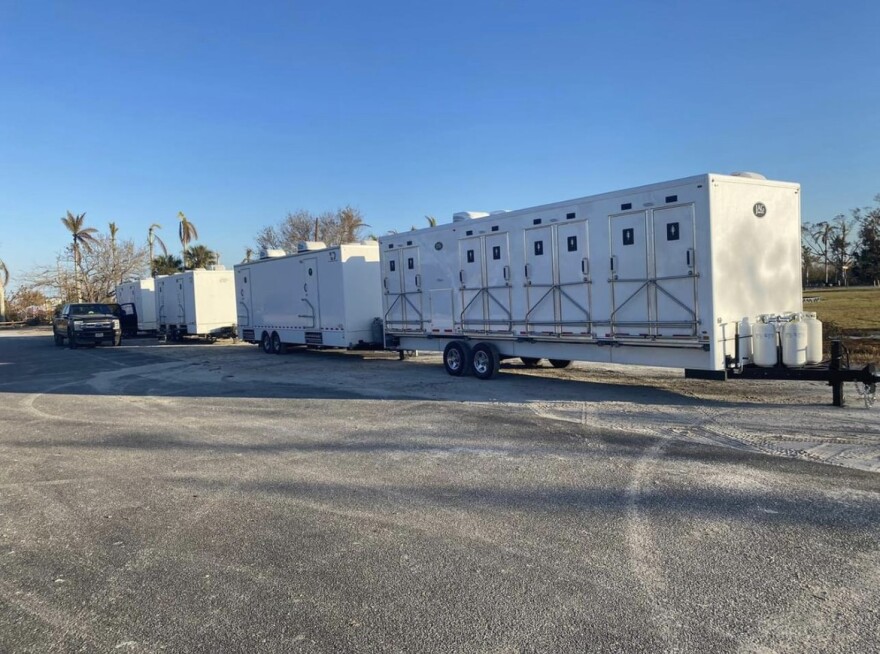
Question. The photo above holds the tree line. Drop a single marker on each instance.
(843, 251)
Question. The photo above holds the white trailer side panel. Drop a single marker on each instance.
(327, 297)
(142, 294)
(209, 301)
(654, 275)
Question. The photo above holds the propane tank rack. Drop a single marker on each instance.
(836, 373)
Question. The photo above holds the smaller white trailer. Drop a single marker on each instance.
(320, 296)
(141, 295)
(196, 303)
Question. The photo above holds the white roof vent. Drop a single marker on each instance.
(309, 246)
(461, 216)
(216, 266)
(272, 253)
(747, 174)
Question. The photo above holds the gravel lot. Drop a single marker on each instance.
(210, 498)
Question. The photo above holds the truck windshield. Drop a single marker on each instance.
(82, 309)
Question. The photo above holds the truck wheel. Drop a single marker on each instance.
(277, 345)
(530, 362)
(71, 341)
(559, 363)
(59, 340)
(485, 360)
(266, 343)
(457, 358)
(117, 340)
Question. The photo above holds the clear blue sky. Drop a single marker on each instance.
(237, 113)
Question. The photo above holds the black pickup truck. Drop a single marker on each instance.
(90, 323)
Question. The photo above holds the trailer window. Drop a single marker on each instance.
(629, 236)
(496, 252)
(410, 263)
(391, 265)
(539, 248)
(572, 243)
(672, 232)
(470, 256)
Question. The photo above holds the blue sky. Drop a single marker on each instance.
(237, 113)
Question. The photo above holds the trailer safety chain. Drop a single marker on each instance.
(868, 392)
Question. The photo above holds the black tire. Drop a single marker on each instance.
(559, 363)
(277, 345)
(71, 341)
(266, 343)
(485, 360)
(117, 340)
(457, 358)
(59, 339)
(530, 362)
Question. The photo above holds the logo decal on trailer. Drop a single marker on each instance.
(760, 209)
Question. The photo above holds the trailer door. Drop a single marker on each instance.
(243, 279)
(540, 316)
(392, 281)
(412, 288)
(630, 310)
(496, 249)
(675, 277)
(573, 275)
(310, 304)
(473, 310)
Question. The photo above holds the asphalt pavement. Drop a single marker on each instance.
(209, 498)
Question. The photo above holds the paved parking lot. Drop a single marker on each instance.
(208, 498)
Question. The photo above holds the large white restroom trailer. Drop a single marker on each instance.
(657, 275)
(319, 296)
(142, 295)
(196, 303)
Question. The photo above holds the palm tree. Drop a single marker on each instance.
(82, 238)
(114, 230)
(4, 281)
(166, 264)
(153, 237)
(432, 221)
(199, 256)
(350, 223)
(187, 231)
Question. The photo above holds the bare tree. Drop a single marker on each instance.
(98, 276)
(4, 282)
(343, 226)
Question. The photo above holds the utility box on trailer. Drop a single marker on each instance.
(196, 303)
(329, 297)
(657, 275)
(141, 294)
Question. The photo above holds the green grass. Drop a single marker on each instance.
(852, 314)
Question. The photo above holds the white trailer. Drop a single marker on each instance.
(141, 294)
(657, 275)
(196, 303)
(319, 296)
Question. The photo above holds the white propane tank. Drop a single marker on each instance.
(814, 338)
(764, 352)
(745, 341)
(794, 343)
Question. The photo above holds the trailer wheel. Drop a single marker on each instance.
(530, 362)
(277, 345)
(266, 343)
(486, 360)
(559, 363)
(457, 358)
